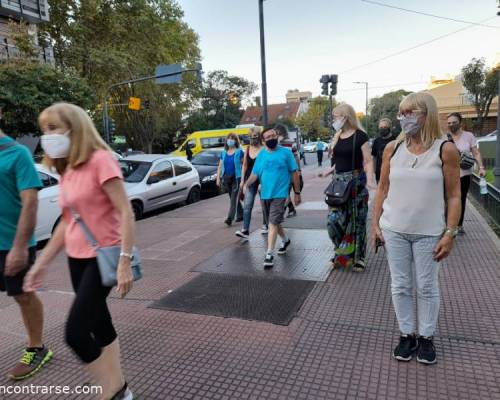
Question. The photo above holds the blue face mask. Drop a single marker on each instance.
(231, 143)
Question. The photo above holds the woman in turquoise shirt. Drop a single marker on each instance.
(229, 175)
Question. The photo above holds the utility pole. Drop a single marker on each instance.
(263, 63)
(366, 98)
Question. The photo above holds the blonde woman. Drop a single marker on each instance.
(92, 185)
(420, 180)
(251, 153)
(353, 161)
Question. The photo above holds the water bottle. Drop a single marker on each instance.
(483, 188)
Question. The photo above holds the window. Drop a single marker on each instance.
(210, 143)
(162, 171)
(181, 167)
(47, 180)
(191, 144)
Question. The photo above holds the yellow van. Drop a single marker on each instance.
(204, 140)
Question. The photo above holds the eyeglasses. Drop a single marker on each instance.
(409, 113)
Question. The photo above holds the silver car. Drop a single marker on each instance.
(156, 180)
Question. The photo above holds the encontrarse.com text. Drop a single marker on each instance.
(44, 389)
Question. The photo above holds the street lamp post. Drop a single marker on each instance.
(263, 62)
(366, 92)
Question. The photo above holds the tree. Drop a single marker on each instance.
(109, 41)
(26, 89)
(312, 122)
(481, 84)
(220, 99)
(385, 106)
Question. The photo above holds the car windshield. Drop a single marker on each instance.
(206, 158)
(134, 171)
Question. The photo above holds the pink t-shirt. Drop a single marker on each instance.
(465, 142)
(82, 188)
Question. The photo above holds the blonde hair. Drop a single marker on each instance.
(424, 102)
(85, 139)
(352, 121)
(385, 119)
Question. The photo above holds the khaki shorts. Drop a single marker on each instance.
(275, 210)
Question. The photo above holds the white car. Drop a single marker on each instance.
(311, 147)
(48, 207)
(156, 180)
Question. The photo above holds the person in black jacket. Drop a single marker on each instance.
(385, 136)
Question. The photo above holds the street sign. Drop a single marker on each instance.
(174, 69)
(134, 103)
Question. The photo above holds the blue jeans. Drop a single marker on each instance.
(403, 252)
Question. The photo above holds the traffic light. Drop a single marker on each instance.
(324, 84)
(112, 129)
(333, 87)
(134, 103)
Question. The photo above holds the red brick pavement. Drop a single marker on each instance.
(338, 347)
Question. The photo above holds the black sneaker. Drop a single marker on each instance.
(359, 266)
(404, 350)
(242, 234)
(292, 214)
(269, 261)
(426, 353)
(228, 222)
(282, 249)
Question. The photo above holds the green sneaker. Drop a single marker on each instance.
(30, 363)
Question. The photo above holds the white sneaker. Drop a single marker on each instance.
(264, 230)
(242, 234)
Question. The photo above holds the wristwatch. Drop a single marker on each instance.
(127, 255)
(451, 232)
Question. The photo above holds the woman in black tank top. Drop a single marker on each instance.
(251, 153)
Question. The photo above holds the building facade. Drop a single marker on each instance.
(296, 96)
(33, 12)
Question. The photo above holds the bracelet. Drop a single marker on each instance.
(297, 193)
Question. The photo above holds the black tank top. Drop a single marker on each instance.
(250, 164)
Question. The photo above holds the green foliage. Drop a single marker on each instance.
(26, 89)
(385, 106)
(214, 110)
(482, 85)
(110, 41)
(312, 122)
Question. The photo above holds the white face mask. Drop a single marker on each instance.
(56, 145)
(410, 125)
(338, 124)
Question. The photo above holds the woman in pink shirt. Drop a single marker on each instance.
(465, 142)
(92, 185)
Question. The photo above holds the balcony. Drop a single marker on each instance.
(34, 11)
(9, 51)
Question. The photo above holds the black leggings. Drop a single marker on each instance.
(89, 327)
(464, 187)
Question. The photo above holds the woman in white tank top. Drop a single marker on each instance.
(419, 182)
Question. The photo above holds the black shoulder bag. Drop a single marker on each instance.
(338, 192)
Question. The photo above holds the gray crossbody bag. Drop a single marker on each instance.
(108, 257)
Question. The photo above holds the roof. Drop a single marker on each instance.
(276, 113)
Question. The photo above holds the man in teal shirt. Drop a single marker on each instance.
(274, 168)
(19, 184)
(320, 147)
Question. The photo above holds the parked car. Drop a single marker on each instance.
(49, 212)
(311, 147)
(155, 180)
(206, 163)
(487, 146)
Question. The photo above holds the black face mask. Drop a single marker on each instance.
(272, 143)
(384, 132)
(454, 128)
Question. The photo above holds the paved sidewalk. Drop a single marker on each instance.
(338, 347)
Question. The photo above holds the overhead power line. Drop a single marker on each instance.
(430, 15)
(412, 47)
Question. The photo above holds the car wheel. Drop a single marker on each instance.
(137, 209)
(193, 196)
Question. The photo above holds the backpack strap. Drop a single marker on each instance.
(7, 145)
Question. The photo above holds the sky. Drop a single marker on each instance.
(306, 39)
